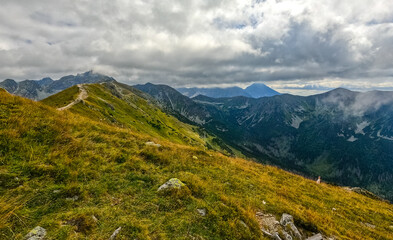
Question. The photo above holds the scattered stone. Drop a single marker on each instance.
(172, 183)
(268, 224)
(195, 157)
(38, 233)
(285, 219)
(316, 237)
(334, 209)
(243, 224)
(56, 191)
(263, 202)
(74, 198)
(94, 218)
(287, 222)
(153, 144)
(114, 234)
(391, 227)
(275, 236)
(286, 235)
(202, 211)
(368, 225)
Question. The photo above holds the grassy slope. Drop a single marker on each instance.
(47, 156)
(124, 106)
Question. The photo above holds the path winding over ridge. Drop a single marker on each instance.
(82, 96)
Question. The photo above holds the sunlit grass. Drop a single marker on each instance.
(82, 178)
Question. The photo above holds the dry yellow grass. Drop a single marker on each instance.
(115, 175)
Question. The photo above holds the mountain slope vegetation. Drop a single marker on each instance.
(346, 137)
(79, 177)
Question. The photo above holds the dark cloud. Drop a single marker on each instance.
(290, 44)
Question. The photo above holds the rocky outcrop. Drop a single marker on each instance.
(38, 233)
(316, 237)
(172, 183)
(288, 224)
(285, 229)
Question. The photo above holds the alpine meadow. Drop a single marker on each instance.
(195, 119)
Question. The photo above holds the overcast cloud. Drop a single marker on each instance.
(287, 44)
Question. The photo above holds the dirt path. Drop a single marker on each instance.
(82, 96)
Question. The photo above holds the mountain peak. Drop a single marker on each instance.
(9, 85)
(257, 90)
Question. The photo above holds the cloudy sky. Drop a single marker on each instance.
(292, 45)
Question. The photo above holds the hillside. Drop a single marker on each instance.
(346, 137)
(81, 176)
(124, 106)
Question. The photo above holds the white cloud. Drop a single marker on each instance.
(300, 42)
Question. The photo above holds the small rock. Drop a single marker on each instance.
(172, 183)
(38, 233)
(114, 234)
(316, 237)
(334, 209)
(369, 225)
(268, 223)
(287, 222)
(94, 218)
(286, 235)
(275, 236)
(153, 144)
(285, 219)
(391, 227)
(74, 198)
(195, 157)
(56, 191)
(202, 211)
(243, 224)
(263, 202)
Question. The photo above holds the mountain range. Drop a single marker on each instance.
(40, 89)
(109, 161)
(343, 136)
(255, 90)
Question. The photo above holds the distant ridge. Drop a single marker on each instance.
(40, 89)
(255, 90)
(302, 134)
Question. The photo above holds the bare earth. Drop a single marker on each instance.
(82, 96)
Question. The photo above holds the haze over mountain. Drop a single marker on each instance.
(344, 136)
(256, 90)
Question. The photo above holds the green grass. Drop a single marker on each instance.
(63, 98)
(49, 157)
